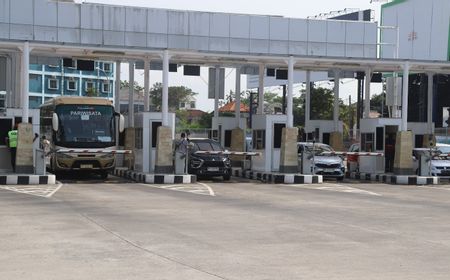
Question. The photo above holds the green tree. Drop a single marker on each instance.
(176, 95)
(377, 102)
(206, 120)
(298, 110)
(126, 84)
(272, 97)
(347, 114)
(322, 101)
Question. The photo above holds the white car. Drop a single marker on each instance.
(330, 166)
(439, 165)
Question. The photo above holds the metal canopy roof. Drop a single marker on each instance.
(314, 63)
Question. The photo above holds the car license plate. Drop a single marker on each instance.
(86, 166)
(213, 169)
(328, 170)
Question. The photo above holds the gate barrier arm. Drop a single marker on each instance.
(227, 153)
(351, 154)
(94, 151)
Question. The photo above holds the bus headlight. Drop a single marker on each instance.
(64, 156)
(106, 156)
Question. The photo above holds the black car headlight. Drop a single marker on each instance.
(196, 162)
(226, 162)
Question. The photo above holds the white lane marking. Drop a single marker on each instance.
(45, 191)
(444, 188)
(57, 189)
(211, 192)
(180, 188)
(199, 188)
(338, 188)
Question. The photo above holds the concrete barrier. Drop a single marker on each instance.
(23, 179)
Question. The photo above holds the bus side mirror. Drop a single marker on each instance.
(55, 122)
(121, 123)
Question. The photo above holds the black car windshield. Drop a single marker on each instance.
(83, 124)
(207, 146)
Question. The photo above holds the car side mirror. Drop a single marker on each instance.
(121, 123)
(55, 122)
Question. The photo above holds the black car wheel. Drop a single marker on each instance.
(227, 177)
(104, 175)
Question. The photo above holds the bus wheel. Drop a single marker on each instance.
(104, 174)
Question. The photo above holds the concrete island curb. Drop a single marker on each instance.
(24, 179)
(278, 178)
(146, 178)
(394, 179)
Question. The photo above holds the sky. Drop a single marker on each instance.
(286, 8)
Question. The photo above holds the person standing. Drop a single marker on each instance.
(180, 155)
(389, 153)
(11, 141)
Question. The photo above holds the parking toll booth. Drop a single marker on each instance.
(146, 127)
(14, 116)
(232, 138)
(224, 133)
(321, 130)
(6, 124)
(267, 137)
(378, 135)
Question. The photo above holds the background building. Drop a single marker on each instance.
(48, 81)
(423, 34)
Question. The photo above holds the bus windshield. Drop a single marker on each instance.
(85, 126)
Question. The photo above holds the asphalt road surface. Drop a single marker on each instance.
(84, 228)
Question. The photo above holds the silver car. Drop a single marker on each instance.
(441, 166)
(329, 166)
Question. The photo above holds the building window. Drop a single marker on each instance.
(367, 140)
(259, 139)
(192, 104)
(73, 65)
(71, 85)
(107, 67)
(105, 87)
(53, 84)
(34, 102)
(138, 140)
(2, 100)
(182, 105)
(89, 85)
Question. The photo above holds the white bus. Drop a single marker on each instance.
(81, 133)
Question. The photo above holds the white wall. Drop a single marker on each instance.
(424, 29)
(132, 27)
